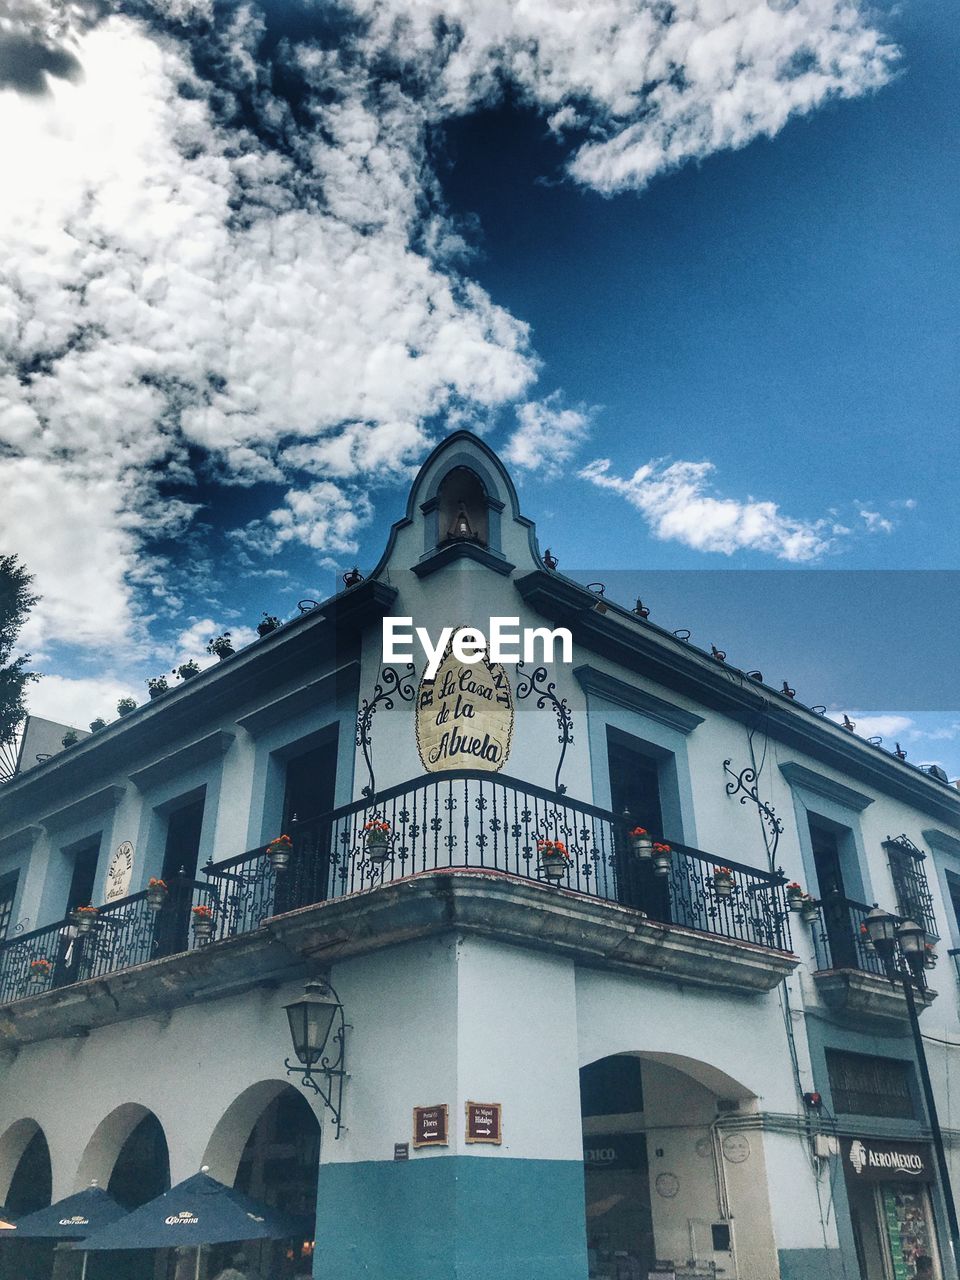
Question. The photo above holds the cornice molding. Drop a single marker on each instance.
(603, 685)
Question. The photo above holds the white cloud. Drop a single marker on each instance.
(875, 522)
(548, 436)
(78, 701)
(191, 643)
(675, 501)
(283, 299)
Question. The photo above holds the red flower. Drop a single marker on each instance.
(203, 912)
(639, 831)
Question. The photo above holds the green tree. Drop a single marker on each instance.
(16, 601)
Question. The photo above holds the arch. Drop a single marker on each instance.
(704, 1073)
(110, 1140)
(229, 1137)
(25, 1174)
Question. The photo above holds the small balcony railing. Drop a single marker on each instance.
(124, 933)
(463, 820)
(841, 940)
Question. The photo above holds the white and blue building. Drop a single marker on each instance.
(677, 1075)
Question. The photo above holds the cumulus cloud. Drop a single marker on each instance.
(78, 701)
(675, 500)
(548, 435)
(223, 251)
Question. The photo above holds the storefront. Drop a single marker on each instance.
(889, 1188)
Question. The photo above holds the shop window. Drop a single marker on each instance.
(910, 883)
(868, 1086)
(611, 1087)
(8, 893)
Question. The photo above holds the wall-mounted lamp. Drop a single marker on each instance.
(316, 1022)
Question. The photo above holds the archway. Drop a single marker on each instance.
(668, 1148)
(127, 1154)
(463, 512)
(267, 1145)
(26, 1184)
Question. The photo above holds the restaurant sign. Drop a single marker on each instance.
(874, 1160)
(465, 716)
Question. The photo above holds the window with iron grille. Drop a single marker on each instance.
(8, 891)
(867, 1086)
(910, 883)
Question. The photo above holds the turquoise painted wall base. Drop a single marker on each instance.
(814, 1264)
(451, 1218)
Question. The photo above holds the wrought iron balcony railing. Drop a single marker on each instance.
(123, 933)
(841, 940)
(455, 820)
(468, 819)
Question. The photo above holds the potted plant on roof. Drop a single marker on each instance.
(156, 893)
(98, 724)
(40, 970)
(125, 706)
(795, 896)
(809, 909)
(203, 922)
(157, 686)
(722, 881)
(84, 918)
(187, 670)
(221, 646)
(270, 623)
(279, 851)
(376, 839)
(554, 859)
(641, 842)
(662, 858)
(70, 738)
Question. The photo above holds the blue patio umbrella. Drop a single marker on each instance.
(72, 1218)
(196, 1212)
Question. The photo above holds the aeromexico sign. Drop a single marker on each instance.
(464, 715)
(873, 1160)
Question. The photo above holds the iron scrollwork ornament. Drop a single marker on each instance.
(536, 684)
(391, 685)
(746, 781)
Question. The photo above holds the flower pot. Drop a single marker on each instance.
(810, 915)
(225, 651)
(930, 960)
(38, 977)
(378, 850)
(795, 900)
(202, 930)
(156, 692)
(84, 921)
(264, 628)
(156, 897)
(279, 857)
(642, 846)
(554, 869)
(722, 886)
(662, 863)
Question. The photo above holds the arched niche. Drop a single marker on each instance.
(463, 514)
(235, 1136)
(26, 1181)
(127, 1155)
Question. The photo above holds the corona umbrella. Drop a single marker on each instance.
(196, 1212)
(73, 1218)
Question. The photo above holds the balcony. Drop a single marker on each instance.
(461, 853)
(850, 976)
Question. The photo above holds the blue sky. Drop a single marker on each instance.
(695, 277)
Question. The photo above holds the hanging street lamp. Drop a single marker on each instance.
(318, 1032)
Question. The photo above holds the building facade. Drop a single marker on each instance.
(625, 1061)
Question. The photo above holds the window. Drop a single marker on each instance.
(953, 887)
(310, 779)
(866, 1086)
(910, 883)
(85, 858)
(8, 892)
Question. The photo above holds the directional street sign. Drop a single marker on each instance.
(483, 1122)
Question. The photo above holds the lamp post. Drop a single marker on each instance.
(316, 1020)
(885, 934)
